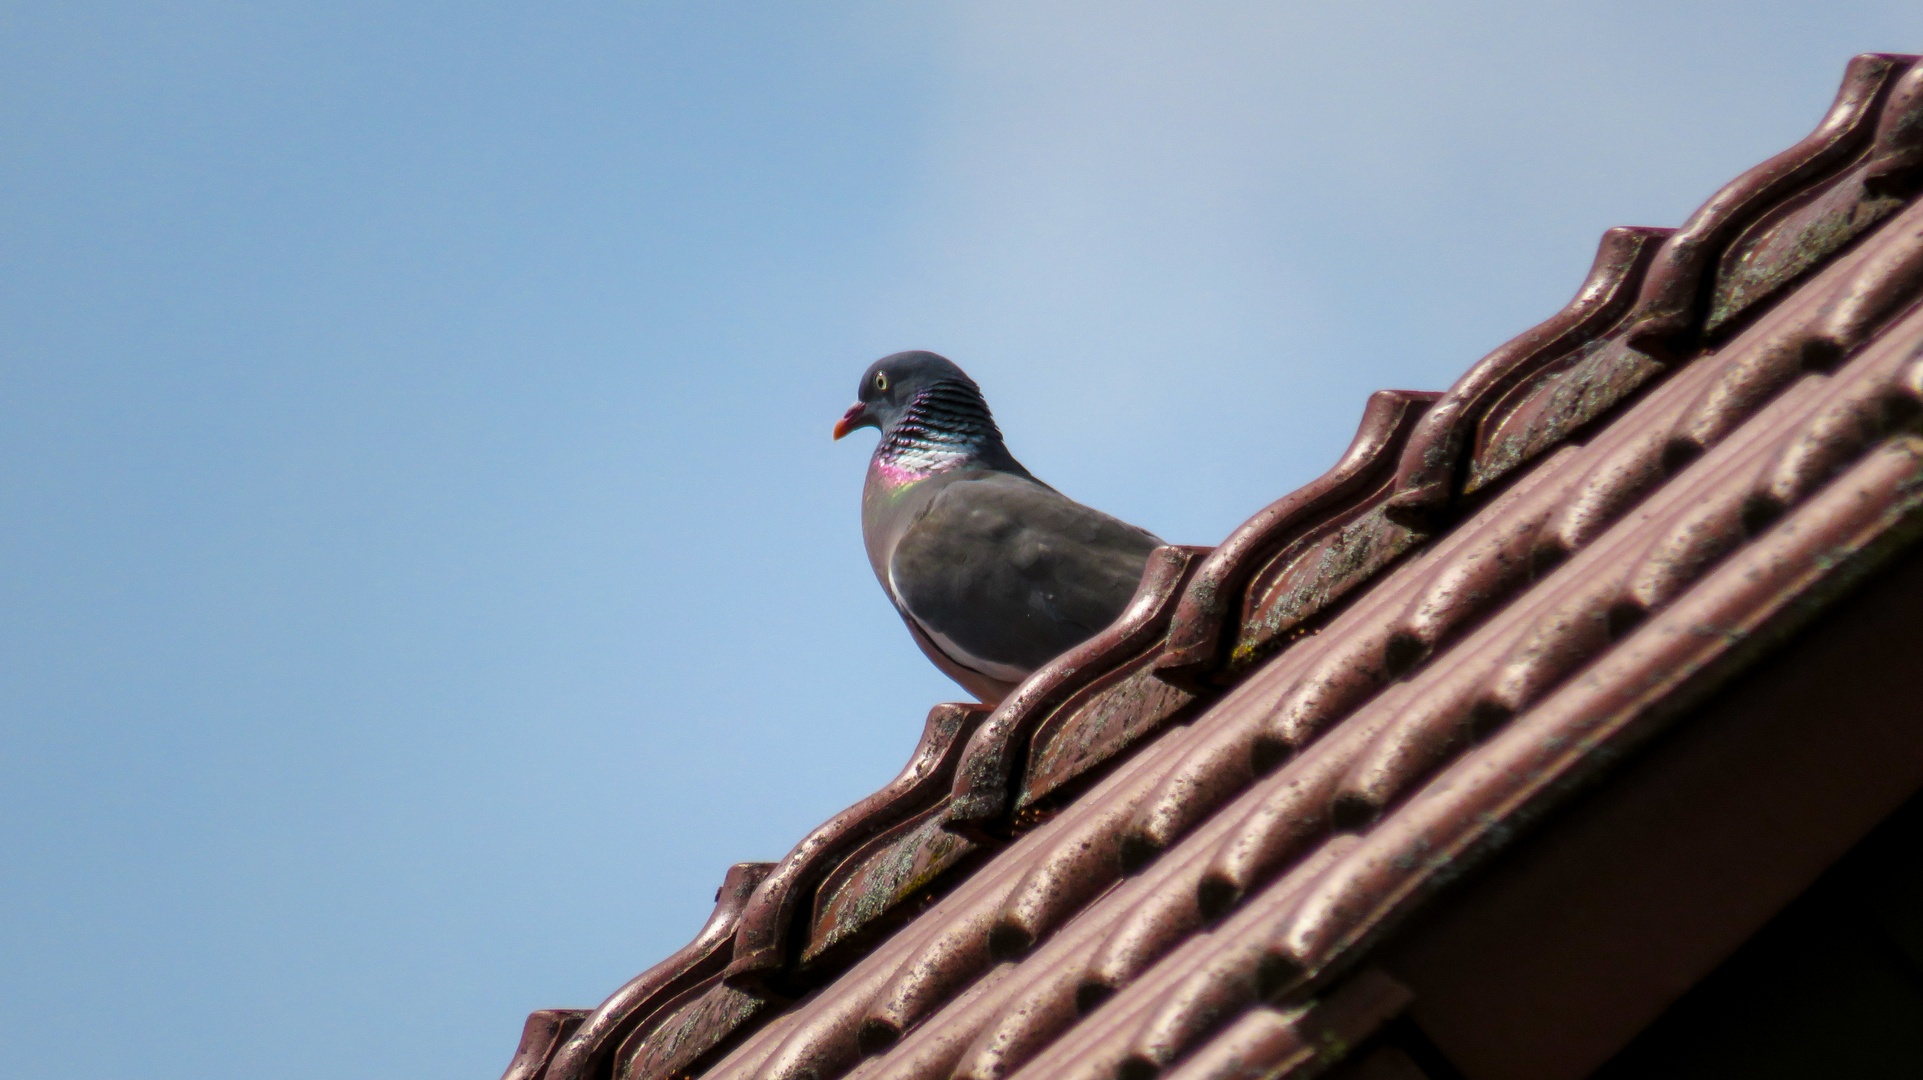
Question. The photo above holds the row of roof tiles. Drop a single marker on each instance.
(1222, 800)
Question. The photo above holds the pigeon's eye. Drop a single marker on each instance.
(881, 381)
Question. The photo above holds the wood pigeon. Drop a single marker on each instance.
(995, 572)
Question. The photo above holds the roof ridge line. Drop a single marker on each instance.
(1203, 619)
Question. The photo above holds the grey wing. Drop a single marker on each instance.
(1005, 573)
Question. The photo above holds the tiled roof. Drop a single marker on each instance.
(1173, 849)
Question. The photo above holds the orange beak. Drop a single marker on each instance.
(856, 415)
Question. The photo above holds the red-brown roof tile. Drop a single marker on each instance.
(1172, 850)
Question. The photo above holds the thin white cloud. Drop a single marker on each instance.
(1149, 226)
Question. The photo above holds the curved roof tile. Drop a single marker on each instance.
(1172, 850)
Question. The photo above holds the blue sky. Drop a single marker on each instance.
(426, 567)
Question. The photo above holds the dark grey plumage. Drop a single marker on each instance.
(995, 572)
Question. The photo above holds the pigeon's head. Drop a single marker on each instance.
(892, 386)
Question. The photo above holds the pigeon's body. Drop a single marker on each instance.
(995, 572)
